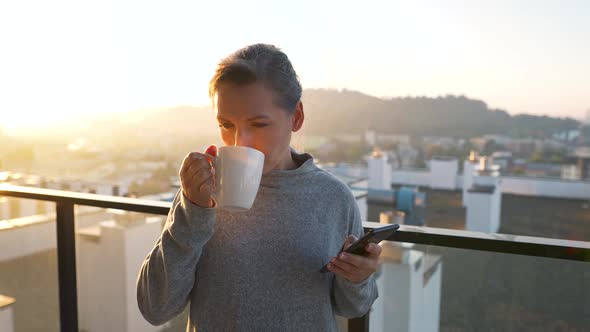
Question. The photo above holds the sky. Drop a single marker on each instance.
(63, 60)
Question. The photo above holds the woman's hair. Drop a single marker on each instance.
(262, 63)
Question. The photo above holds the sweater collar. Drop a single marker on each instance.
(306, 165)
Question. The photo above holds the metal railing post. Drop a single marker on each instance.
(360, 324)
(66, 260)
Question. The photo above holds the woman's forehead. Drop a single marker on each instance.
(244, 101)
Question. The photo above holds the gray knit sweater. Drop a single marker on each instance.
(258, 270)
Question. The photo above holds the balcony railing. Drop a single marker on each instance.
(66, 245)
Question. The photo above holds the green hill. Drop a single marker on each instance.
(331, 112)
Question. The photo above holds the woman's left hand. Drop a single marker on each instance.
(356, 268)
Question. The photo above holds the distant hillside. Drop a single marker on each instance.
(333, 112)
(182, 121)
(337, 112)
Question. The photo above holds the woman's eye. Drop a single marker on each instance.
(225, 125)
(260, 125)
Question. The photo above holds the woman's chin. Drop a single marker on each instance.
(268, 168)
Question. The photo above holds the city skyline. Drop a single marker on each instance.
(69, 59)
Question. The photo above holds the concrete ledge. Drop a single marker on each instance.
(26, 221)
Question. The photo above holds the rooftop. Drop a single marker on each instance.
(482, 189)
(521, 215)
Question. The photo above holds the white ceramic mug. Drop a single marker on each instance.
(238, 171)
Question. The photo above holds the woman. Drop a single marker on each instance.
(259, 270)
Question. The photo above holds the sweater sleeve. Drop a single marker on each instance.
(351, 299)
(167, 275)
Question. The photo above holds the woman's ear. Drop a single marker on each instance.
(298, 116)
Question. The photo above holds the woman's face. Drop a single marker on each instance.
(248, 116)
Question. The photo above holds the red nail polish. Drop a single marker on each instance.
(212, 150)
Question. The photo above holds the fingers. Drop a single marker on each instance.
(195, 171)
(374, 250)
(197, 180)
(212, 150)
(340, 271)
(343, 262)
(211, 155)
(192, 158)
(189, 161)
(213, 164)
(344, 268)
(203, 180)
(356, 268)
(349, 240)
(346, 260)
(197, 176)
(195, 160)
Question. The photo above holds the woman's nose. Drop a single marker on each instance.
(243, 138)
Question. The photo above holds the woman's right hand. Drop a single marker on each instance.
(197, 177)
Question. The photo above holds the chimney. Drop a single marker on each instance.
(484, 199)
(370, 137)
(392, 217)
(116, 190)
(379, 171)
(412, 302)
(443, 173)
(469, 169)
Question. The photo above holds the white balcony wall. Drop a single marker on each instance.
(526, 186)
(109, 257)
(414, 177)
(6, 314)
(546, 187)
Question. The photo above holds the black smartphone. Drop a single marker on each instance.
(375, 235)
